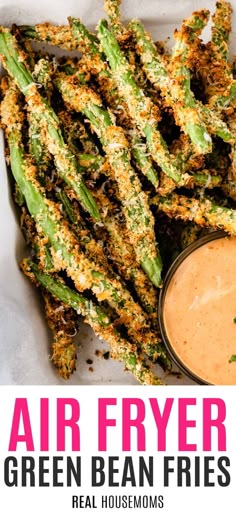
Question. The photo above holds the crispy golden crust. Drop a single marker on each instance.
(121, 252)
(64, 356)
(12, 115)
(202, 212)
(213, 75)
(57, 35)
(116, 146)
(63, 322)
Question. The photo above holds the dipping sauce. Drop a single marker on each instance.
(199, 309)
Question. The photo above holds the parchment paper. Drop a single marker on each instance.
(24, 338)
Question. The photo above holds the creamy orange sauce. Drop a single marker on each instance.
(199, 311)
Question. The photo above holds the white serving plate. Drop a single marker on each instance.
(24, 338)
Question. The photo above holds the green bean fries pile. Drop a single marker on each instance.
(119, 158)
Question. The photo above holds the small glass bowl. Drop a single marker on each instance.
(218, 234)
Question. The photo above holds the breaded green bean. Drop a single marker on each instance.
(112, 8)
(38, 148)
(140, 222)
(68, 255)
(204, 212)
(121, 349)
(141, 108)
(177, 92)
(14, 61)
(117, 104)
(121, 252)
(63, 323)
(185, 38)
(142, 158)
(66, 250)
(58, 35)
(221, 28)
